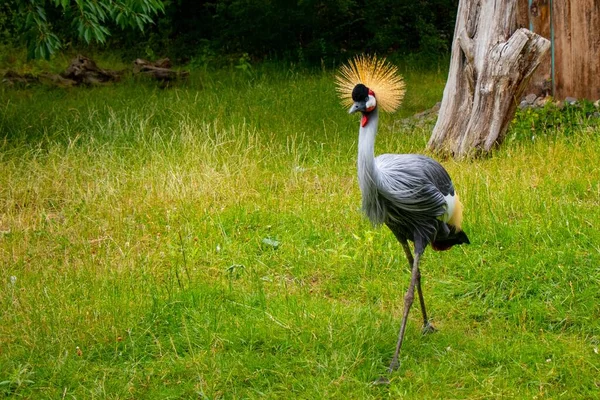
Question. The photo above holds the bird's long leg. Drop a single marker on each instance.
(408, 300)
(427, 327)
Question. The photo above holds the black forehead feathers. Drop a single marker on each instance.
(360, 92)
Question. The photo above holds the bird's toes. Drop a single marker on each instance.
(394, 365)
(382, 380)
(428, 328)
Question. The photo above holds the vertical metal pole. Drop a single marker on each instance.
(529, 16)
(552, 49)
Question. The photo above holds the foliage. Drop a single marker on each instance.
(37, 20)
(313, 31)
(553, 119)
(317, 32)
(133, 222)
(7, 23)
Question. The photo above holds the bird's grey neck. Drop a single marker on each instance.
(367, 170)
(366, 149)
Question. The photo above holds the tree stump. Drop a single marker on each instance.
(490, 67)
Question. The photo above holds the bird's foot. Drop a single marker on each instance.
(394, 365)
(382, 380)
(428, 328)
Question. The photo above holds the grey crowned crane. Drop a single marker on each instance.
(412, 195)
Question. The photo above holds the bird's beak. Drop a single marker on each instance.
(358, 106)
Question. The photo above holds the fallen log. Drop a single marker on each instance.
(12, 78)
(83, 70)
(159, 70)
(55, 80)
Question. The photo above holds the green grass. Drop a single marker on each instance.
(132, 227)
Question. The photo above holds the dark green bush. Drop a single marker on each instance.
(310, 31)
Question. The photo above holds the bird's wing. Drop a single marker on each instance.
(413, 184)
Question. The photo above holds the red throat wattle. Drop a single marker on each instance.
(365, 119)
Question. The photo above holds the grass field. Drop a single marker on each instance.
(205, 241)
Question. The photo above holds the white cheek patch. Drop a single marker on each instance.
(371, 103)
(454, 210)
(450, 204)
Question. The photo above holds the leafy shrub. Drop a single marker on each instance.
(552, 120)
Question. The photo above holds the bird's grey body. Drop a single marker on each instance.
(407, 192)
(412, 194)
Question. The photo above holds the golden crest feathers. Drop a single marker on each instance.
(378, 75)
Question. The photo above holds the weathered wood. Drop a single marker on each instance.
(536, 17)
(160, 69)
(523, 13)
(56, 80)
(13, 78)
(84, 70)
(574, 28)
(490, 67)
(577, 48)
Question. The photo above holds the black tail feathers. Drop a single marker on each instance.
(454, 238)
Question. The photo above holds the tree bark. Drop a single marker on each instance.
(490, 67)
(84, 70)
(159, 70)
